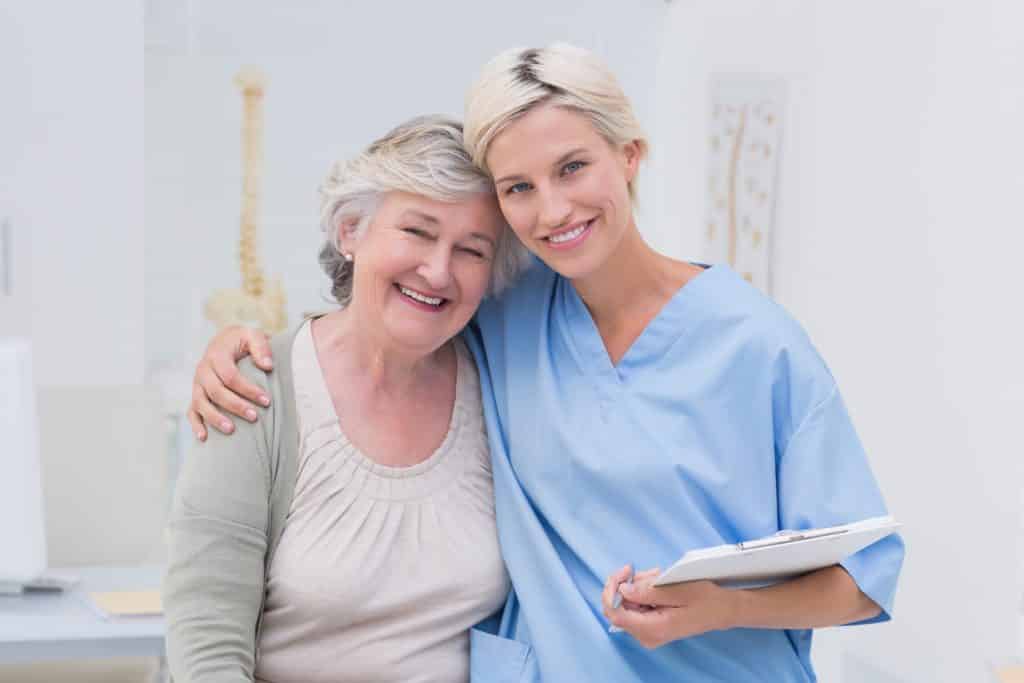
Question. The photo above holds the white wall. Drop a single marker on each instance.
(72, 177)
(898, 243)
(71, 180)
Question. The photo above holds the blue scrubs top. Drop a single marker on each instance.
(720, 424)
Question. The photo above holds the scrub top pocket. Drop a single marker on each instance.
(493, 659)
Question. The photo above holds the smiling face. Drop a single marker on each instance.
(422, 267)
(563, 188)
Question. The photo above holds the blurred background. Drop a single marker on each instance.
(896, 232)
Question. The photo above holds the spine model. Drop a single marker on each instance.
(257, 303)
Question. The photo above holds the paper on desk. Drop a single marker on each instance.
(1011, 674)
(128, 603)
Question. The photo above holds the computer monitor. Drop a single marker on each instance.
(22, 532)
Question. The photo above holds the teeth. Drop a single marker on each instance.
(419, 297)
(566, 236)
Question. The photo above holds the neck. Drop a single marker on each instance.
(635, 279)
(355, 350)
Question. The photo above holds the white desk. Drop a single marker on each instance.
(48, 626)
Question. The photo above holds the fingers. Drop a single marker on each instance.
(660, 624)
(218, 382)
(258, 346)
(636, 606)
(611, 587)
(686, 594)
(658, 615)
(615, 584)
(226, 387)
(630, 601)
(208, 413)
(646, 574)
(224, 357)
(643, 592)
(646, 593)
(651, 628)
(198, 429)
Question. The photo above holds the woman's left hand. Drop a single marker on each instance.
(677, 611)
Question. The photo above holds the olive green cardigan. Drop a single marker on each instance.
(229, 510)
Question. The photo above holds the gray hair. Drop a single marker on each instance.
(518, 80)
(423, 156)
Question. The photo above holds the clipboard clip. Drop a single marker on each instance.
(784, 537)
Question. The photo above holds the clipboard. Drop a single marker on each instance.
(773, 559)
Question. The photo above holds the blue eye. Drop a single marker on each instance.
(572, 167)
(517, 188)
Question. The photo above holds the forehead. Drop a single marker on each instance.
(479, 213)
(540, 137)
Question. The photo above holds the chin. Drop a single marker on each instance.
(577, 266)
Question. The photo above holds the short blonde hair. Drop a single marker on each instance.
(560, 75)
(423, 156)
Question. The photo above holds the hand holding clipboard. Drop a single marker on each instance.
(770, 560)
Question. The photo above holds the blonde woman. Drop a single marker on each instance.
(349, 535)
(638, 407)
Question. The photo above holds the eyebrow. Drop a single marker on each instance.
(484, 238)
(425, 217)
(558, 162)
(571, 153)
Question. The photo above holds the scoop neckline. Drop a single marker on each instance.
(364, 460)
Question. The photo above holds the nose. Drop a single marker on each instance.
(555, 209)
(436, 268)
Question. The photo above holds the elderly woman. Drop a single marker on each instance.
(349, 535)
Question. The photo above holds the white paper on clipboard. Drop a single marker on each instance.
(770, 560)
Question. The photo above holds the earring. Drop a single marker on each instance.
(347, 256)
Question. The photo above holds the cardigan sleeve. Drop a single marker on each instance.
(218, 529)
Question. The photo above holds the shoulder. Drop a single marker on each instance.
(269, 381)
(468, 377)
(800, 377)
(228, 476)
(280, 347)
(758, 322)
(255, 374)
(261, 439)
(281, 343)
(756, 340)
(469, 404)
(279, 381)
(763, 348)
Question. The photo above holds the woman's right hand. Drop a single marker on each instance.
(218, 383)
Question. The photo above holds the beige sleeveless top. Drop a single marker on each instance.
(381, 570)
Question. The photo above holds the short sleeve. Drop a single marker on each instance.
(825, 480)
